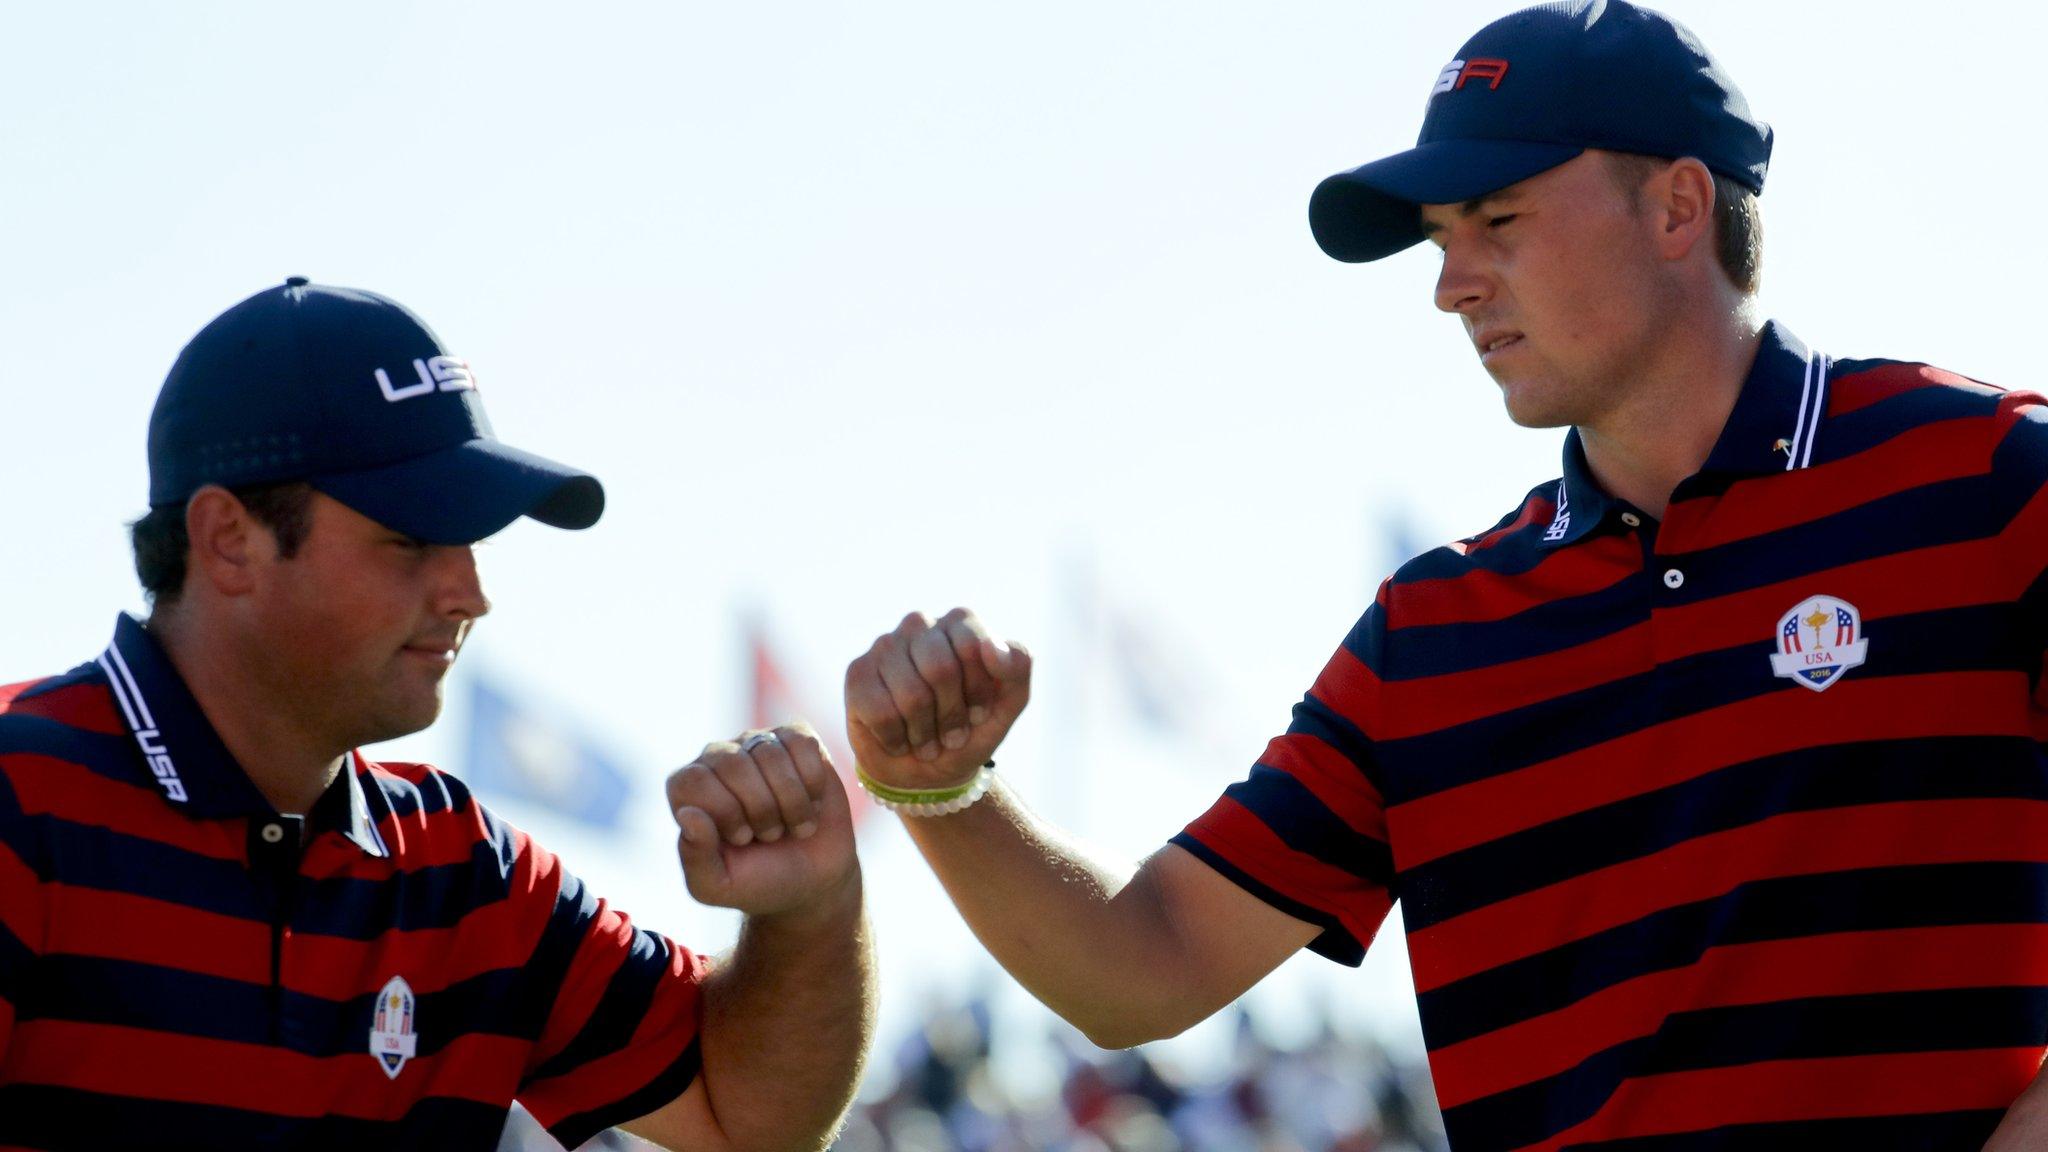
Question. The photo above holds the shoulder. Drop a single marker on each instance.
(429, 818)
(1493, 557)
(1456, 582)
(1905, 390)
(419, 789)
(77, 698)
(61, 750)
(1870, 402)
(54, 726)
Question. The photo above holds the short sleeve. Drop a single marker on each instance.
(1306, 831)
(23, 909)
(2019, 467)
(622, 1008)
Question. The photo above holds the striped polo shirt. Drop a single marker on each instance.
(183, 967)
(1724, 831)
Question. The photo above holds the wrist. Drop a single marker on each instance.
(830, 904)
(941, 801)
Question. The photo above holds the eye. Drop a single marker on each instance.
(1497, 221)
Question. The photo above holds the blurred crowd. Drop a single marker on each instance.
(941, 1093)
(1331, 1094)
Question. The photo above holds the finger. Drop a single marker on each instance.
(742, 777)
(869, 704)
(914, 699)
(700, 847)
(793, 804)
(932, 655)
(1006, 660)
(813, 760)
(697, 785)
(965, 632)
(814, 768)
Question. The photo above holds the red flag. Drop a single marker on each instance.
(774, 701)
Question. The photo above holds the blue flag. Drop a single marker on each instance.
(519, 754)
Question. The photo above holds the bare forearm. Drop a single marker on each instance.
(787, 1021)
(1126, 955)
(1071, 929)
(2026, 1122)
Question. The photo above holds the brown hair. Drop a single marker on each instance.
(1738, 221)
(162, 545)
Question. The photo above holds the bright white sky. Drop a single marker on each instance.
(860, 308)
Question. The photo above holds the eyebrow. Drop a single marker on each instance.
(1468, 208)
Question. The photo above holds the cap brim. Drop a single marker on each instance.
(1374, 209)
(462, 494)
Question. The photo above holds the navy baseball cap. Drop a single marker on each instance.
(352, 393)
(1531, 91)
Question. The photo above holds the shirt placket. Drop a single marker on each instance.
(275, 848)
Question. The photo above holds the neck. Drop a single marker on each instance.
(290, 765)
(1677, 402)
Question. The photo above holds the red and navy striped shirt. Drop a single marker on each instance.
(1729, 831)
(177, 971)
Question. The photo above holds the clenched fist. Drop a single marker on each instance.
(765, 826)
(928, 703)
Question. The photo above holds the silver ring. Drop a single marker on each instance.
(756, 740)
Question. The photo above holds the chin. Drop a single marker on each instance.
(403, 718)
(1531, 411)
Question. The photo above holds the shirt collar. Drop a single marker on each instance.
(1777, 416)
(1581, 506)
(1772, 428)
(345, 807)
(184, 757)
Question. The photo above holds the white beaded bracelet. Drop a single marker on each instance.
(928, 802)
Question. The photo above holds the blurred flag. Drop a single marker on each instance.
(1136, 672)
(772, 701)
(1401, 539)
(517, 752)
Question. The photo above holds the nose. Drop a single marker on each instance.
(1462, 284)
(459, 593)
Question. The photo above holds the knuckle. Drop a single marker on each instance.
(914, 623)
(799, 737)
(689, 777)
(866, 696)
(932, 649)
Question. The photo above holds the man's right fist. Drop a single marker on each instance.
(928, 703)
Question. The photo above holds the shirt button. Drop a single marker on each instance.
(272, 833)
(1631, 519)
(1673, 578)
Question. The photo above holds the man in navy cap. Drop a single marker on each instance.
(1708, 779)
(222, 926)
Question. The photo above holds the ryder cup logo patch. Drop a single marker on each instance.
(392, 1039)
(1818, 640)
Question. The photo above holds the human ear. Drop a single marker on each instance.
(1684, 193)
(225, 543)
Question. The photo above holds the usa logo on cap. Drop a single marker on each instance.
(1818, 640)
(392, 1039)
